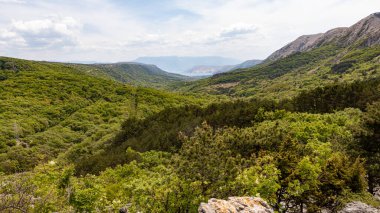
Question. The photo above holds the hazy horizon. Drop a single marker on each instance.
(114, 30)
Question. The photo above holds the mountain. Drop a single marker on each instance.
(211, 70)
(133, 73)
(136, 74)
(82, 62)
(366, 32)
(177, 64)
(246, 64)
(339, 55)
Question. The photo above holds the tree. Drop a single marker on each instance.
(339, 176)
(261, 180)
(206, 158)
(304, 184)
(368, 144)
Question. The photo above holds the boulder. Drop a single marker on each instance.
(235, 205)
(123, 209)
(376, 193)
(358, 207)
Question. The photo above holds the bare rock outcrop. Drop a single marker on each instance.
(376, 193)
(235, 205)
(358, 207)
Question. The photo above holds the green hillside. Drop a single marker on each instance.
(160, 130)
(47, 107)
(133, 73)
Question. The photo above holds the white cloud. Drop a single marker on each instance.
(145, 40)
(189, 38)
(6, 34)
(42, 33)
(12, 1)
(237, 29)
(110, 30)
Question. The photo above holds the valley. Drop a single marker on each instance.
(300, 130)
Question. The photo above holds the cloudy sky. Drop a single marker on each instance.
(122, 30)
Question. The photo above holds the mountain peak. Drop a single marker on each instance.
(366, 32)
(371, 21)
(376, 14)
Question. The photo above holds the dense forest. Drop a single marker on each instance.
(45, 108)
(308, 151)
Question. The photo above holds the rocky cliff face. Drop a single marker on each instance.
(366, 33)
(235, 205)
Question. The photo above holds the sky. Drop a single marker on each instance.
(116, 30)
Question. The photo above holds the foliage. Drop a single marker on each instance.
(206, 159)
(367, 144)
(338, 96)
(260, 180)
(290, 159)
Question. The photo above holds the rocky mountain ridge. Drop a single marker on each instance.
(364, 33)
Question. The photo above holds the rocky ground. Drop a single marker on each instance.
(358, 207)
(235, 205)
(258, 205)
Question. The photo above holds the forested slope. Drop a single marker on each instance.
(47, 107)
(280, 151)
(131, 73)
